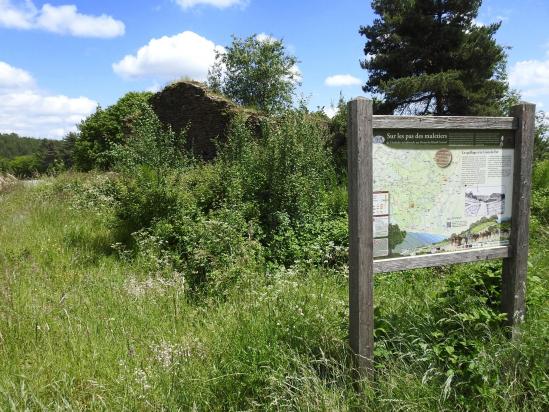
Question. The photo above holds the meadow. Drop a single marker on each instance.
(172, 284)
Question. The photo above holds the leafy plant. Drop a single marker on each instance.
(24, 166)
(449, 339)
(147, 161)
(256, 71)
(105, 128)
(541, 137)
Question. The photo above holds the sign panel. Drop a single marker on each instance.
(441, 190)
(431, 191)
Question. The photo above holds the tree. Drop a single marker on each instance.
(12, 145)
(396, 236)
(24, 166)
(256, 71)
(47, 154)
(541, 137)
(105, 128)
(431, 57)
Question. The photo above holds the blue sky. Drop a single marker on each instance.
(58, 60)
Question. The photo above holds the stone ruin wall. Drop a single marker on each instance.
(207, 115)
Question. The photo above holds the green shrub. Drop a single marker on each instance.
(24, 166)
(4, 165)
(149, 162)
(288, 170)
(449, 341)
(540, 192)
(216, 250)
(105, 128)
(141, 200)
(338, 131)
(281, 179)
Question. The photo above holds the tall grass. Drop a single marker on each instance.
(85, 327)
(218, 302)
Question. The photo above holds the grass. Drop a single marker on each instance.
(84, 327)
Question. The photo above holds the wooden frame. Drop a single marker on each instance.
(361, 253)
(444, 122)
(361, 124)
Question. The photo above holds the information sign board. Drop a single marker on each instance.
(430, 191)
(439, 191)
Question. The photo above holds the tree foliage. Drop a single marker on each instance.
(24, 166)
(431, 57)
(12, 145)
(256, 72)
(26, 156)
(541, 137)
(103, 129)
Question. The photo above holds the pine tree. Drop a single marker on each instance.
(431, 57)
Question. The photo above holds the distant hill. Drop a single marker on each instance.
(13, 145)
(414, 240)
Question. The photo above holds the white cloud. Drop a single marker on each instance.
(67, 20)
(265, 38)
(296, 74)
(30, 112)
(14, 78)
(530, 72)
(185, 54)
(63, 19)
(531, 77)
(331, 111)
(342, 80)
(221, 4)
(16, 17)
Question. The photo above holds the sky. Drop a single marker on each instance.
(60, 59)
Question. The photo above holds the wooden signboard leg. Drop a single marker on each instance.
(361, 308)
(515, 267)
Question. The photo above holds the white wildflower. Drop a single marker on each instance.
(155, 285)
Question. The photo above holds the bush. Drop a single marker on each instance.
(540, 192)
(105, 128)
(142, 199)
(149, 162)
(449, 341)
(24, 166)
(283, 177)
(4, 165)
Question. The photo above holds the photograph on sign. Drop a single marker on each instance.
(441, 190)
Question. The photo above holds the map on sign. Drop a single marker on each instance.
(441, 190)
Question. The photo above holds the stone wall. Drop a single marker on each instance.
(207, 115)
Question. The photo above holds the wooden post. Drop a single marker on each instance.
(361, 308)
(515, 266)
